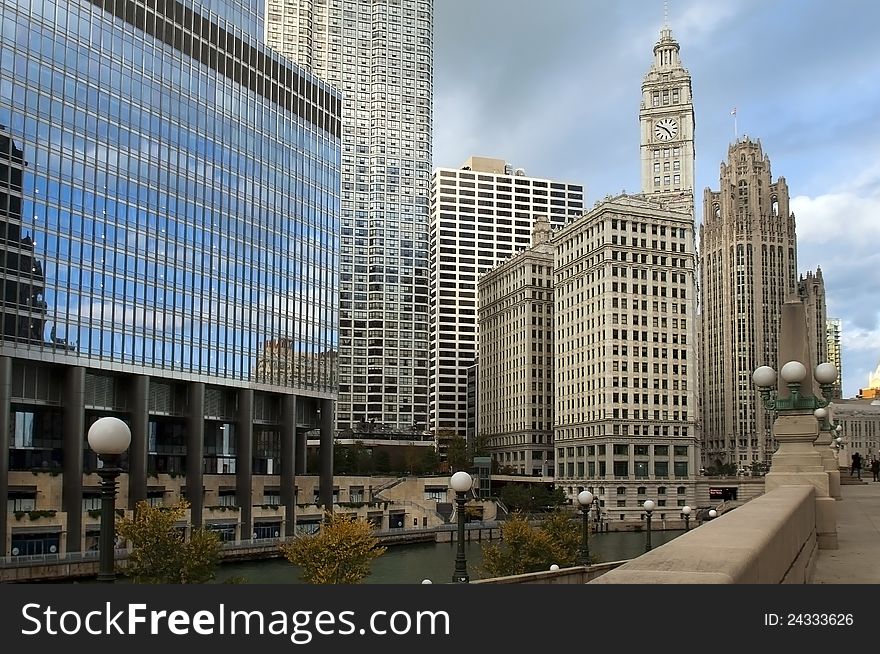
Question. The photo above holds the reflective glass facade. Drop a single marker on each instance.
(380, 54)
(169, 194)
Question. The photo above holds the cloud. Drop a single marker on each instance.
(840, 232)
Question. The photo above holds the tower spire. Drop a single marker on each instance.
(665, 13)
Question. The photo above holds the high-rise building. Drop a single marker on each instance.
(168, 219)
(379, 53)
(748, 269)
(833, 327)
(481, 214)
(516, 358)
(811, 291)
(626, 365)
(667, 124)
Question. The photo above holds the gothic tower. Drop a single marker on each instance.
(667, 128)
(748, 269)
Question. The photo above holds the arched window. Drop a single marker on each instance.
(621, 490)
(774, 205)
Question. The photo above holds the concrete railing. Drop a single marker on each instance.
(769, 540)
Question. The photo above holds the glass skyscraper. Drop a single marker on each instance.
(169, 207)
(380, 54)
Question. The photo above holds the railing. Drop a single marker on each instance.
(47, 559)
(489, 524)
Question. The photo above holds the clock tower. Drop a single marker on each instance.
(667, 128)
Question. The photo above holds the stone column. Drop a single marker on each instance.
(326, 483)
(72, 438)
(138, 454)
(301, 450)
(796, 461)
(829, 460)
(195, 449)
(288, 462)
(244, 464)
(5, 428)
(631, 461)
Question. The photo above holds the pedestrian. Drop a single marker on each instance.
(875, 468)
(856, 468)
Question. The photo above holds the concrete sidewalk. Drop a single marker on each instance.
(857, 560)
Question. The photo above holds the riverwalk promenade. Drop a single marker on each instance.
(855, 561)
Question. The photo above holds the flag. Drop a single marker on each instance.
(733, 112)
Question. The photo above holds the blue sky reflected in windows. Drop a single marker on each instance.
(180, 220)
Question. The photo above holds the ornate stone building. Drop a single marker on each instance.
(748, 268)
(811, 290)
(626, 364)
(516, 358)
(667, 128)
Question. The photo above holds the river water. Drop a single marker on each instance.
(410, 564)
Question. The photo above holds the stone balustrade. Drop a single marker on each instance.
(769, 540)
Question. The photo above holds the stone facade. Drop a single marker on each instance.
(811, 291)
(516, 358)
(626, 365)
(481, 214)
(860, 419)
(667, 124)
(748, 268)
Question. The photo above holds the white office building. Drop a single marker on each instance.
(481, 214)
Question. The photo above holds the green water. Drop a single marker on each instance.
(410, 564)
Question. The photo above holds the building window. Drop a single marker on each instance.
(272, 497)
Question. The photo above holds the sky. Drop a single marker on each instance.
(554, 87)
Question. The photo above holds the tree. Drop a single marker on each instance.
(430, 461)
(457, 454)
(361, 458)
(341, 460)
(532, 497)
(160, 554)
(516, 497)
(341, 553)
(525, 548)
(479, 446)
(382, 462)
(412, 461)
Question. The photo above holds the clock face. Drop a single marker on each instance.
(665, 129)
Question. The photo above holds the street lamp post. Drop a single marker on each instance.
(585, 499)
(109, 438)
(686, 512)
(649, 509)
(461, 482)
